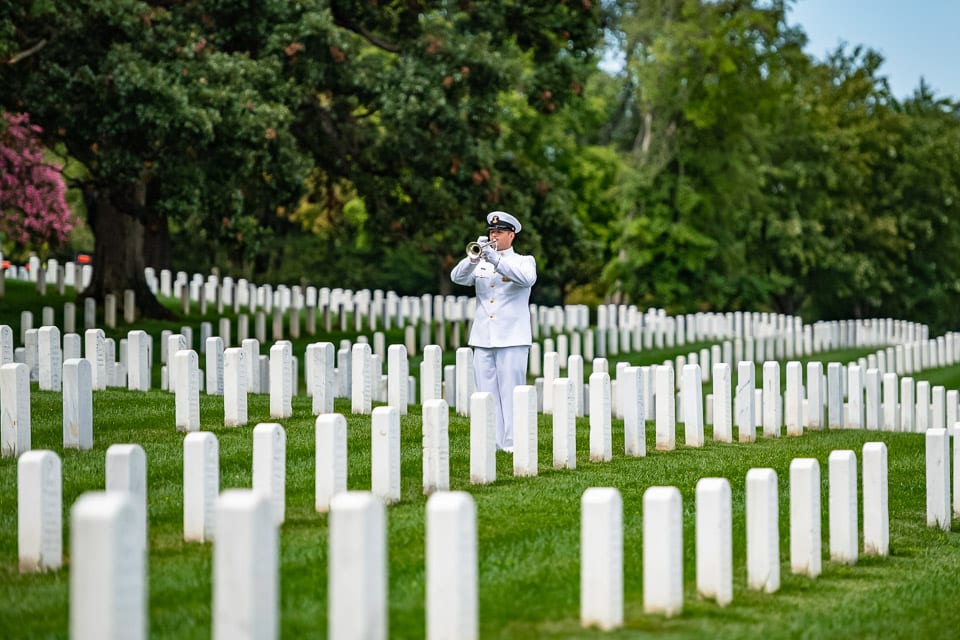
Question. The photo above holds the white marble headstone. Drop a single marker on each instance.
(39, 507)
(270, 467)
(108, 582)
(234, 387)
(14, 409)
(201, 486)
(77, 404)
(330, 434)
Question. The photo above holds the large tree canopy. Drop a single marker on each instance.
(719, 168)
(215, 113)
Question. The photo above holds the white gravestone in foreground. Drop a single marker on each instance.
(186, 374)
(465, 381)
(451, 566)
(49, 359)
(251, 353)
(14, 409)
(234, 387)
(281, 380)
(483, 439)
(722, 413)
(793, 411)
(431, 374)
(385, 454)
(844, 519)
(601, 437)
(551, 371)
(938, 478)
(665, 409)
(201, 485)
(564, 425)
(357, 573)
(362, 379)
(319, 364)
(398, 372)
(95, 352)
(107, 568)
(6, 345)
(126, 473)
(874, 409)
(954, 432)
(771, 399)
(907, 405)
(525, 443)
(876, 518)
(763, 531)
(634, 413)
(835, 417)
(805, 539)
(246, 573)
(270, 466)
(814, 418)
(662, 551)
(692, 394)
(744, 403)
(601, 558)
(77, 404)
(138, 361)
(214, 366)
(330, 435)
(575, 373)
(714, 540)
(39, 507)
(436, 447)
(891, 414)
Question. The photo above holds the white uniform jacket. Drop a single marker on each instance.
(502, 317)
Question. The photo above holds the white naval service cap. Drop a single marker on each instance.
(503, 220)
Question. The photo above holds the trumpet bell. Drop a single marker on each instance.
(474, 249)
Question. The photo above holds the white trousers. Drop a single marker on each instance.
(499, 371)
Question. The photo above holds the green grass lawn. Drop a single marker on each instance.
(528, 529)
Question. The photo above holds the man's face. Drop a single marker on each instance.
(504, 238)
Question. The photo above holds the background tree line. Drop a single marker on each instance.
(359, 142)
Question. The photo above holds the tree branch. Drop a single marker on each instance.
(343, 22)
(28, 52)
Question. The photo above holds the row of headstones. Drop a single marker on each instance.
(652, 328)
(555, 319)
(230, 374)
(902, 358)
(68, 274)
(258, 375)
(821, 404)
(104, 555)
(108, 574)
(907, 358)
(39, 474)
(42, 356)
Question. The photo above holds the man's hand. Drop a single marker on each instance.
(490, 254)
(480, 240)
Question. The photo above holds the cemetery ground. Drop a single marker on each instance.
(528, 528)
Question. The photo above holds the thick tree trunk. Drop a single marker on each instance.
(118, 258)
(156, 243)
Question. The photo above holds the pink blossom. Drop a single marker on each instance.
(33, 207)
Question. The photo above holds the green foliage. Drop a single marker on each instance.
(761, 178)
(722, 169)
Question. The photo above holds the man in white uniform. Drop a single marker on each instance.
(501, 333)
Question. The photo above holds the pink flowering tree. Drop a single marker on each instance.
(33, 207)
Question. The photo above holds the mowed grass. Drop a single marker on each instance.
(528, 533)
(529, 528)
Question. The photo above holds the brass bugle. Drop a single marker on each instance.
(474, 249)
